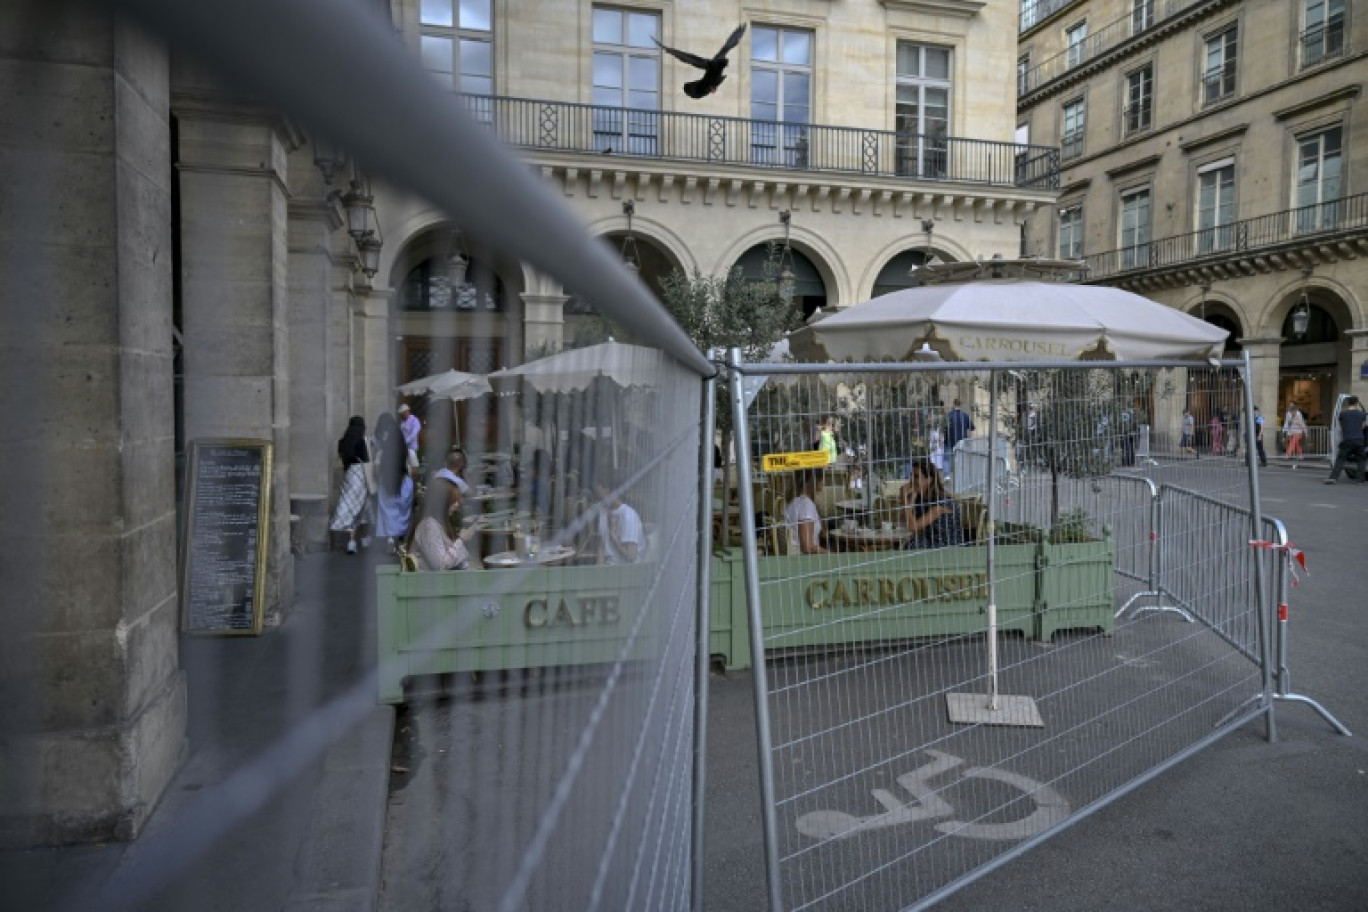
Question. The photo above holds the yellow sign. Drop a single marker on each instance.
(790, 462)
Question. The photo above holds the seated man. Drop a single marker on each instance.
(454, 470)
(801, 516)
(622, 536)
(931, 514)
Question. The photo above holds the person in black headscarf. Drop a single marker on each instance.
(353, 504)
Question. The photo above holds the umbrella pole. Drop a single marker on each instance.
(994, 709)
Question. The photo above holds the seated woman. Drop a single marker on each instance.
(433, 545)
(931, 514)
(801, 516)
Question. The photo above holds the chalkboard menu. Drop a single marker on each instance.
(223, 550)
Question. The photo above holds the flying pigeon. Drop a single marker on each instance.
(712, 68)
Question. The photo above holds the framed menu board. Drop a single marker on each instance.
(223, 549)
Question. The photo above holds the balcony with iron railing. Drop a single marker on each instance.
(1141, 19)
(1033, 11)
(667, 136)
(1218, 83)
(1137, 117)
(1310, 226)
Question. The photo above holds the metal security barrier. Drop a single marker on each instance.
(933, 703)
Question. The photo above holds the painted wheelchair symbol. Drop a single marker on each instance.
(1050, 806)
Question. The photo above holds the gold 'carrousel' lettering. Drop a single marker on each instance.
(861, 591)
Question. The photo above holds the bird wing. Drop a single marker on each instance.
(733, 40)
(691, 59)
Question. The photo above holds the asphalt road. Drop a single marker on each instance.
(1242, 825)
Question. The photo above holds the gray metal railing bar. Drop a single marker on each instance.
(1111, 35)
(641, 133)
(903, 367)
(393, 116)
(1303, 222)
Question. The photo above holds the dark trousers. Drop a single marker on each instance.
(1263, 457)
(1349, 449)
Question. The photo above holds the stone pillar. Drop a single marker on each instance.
(373, 384)
(94, 717)
(235, 288)
(1358, 357)
(543, 324)
(313, 425)
(1264, 357)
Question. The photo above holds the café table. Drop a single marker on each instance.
(545, 557)
(865, 539)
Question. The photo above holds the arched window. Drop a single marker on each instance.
(809, 289)
(439, 285)
(898, 273)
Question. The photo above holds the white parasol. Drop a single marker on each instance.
(576, 370)
(452, 384)
(1010, 320)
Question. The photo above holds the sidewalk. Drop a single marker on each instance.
(280, 803)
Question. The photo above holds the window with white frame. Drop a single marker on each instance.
(626, 74)
(1142, 15)
(1071, 136)
(1071, 232)
(1135, 228)
(1218, 73)
(1023, 73)
(1318, 179)
(456, 39)
(1076, 37)
(1322, 34)
(1139, 109)
(1216, 206)
(922, 111)
(781, 95)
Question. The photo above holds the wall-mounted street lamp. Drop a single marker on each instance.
(630, 258)
(328, 157)
(788, 284)
(1301, 317)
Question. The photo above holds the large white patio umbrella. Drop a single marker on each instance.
(1009, 320)
(576, 370)
(452, 384)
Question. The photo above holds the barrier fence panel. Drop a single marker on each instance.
(905, 749)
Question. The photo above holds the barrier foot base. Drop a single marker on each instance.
(974, 709)
(1325, 714)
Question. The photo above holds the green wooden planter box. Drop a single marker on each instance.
(488, 620)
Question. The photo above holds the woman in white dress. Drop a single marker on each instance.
(434, 546)
(801, 517)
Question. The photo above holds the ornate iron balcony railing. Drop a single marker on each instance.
(1322, 42)
(558, 126)
(1140, 19)
(1306, 223)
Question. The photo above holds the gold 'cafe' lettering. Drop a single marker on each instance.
(887, 590)
(572, 612)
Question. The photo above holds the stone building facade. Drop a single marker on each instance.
(191, 255)
(1209, 156)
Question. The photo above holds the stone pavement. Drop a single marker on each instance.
(280, 802)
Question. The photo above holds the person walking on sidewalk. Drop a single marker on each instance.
(1187, 441)
(1351, 440)
(354, 503)
(1294, 429)
(1258, 437)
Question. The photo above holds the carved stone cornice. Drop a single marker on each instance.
(963, 9)
(1292, 256)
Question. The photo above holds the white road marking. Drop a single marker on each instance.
(1325, 506)
(1050, 807)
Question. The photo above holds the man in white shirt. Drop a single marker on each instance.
(620, 528)
(455, 470)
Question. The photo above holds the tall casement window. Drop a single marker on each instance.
(922, 115)
(1139, 110)
(1142, 15)
(457, 39)
(1076, 37)
(1023, 72)
(1071, 232)
(1318, 179)
(1218, 73)
(1322, 31)
(626, 81)
(1135, 228)
(1028, 14)
(781, 95)
(1216, 206)
(1071, 137)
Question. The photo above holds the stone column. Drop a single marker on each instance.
(94, 718)
(1264, 358)
(1358, 357)
(373, 383)
(235, 287)
(313, 425)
